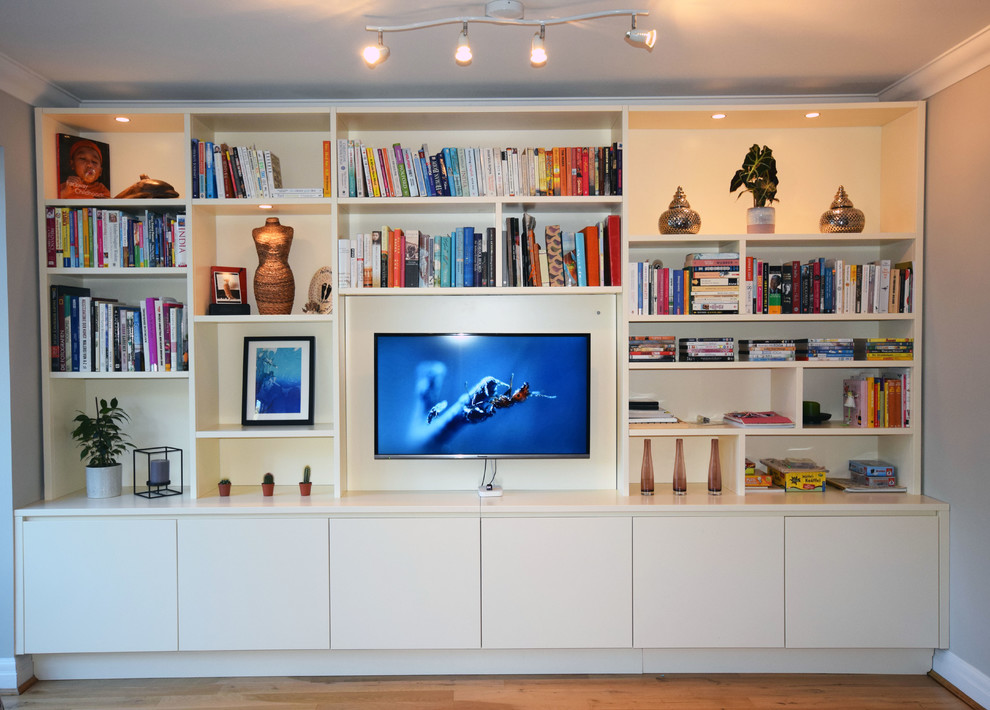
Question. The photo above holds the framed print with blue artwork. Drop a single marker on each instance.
(278, 380)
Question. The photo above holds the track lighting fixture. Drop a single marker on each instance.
(375, 54)
(506, 12)
(643, 38)
(538, 53)
(463, 53)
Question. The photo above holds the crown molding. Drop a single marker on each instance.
(966, 58)
(30, 87)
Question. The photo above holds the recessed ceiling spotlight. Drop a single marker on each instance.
(812, 114)
(122, 119)
(717, 116)
(264, 207)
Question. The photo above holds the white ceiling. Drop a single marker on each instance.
(283, 50)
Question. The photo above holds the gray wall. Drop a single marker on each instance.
(956, 346)
(20, 416)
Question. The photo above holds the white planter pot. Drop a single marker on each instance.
(103, 481)
(761, 220)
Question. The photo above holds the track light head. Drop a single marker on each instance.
(463, 54)
(641, 38)
(538, 52)
(375, 54)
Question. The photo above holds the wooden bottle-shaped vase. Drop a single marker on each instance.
(715, 471)
(646, 472)
(679, 480)
(274, 286)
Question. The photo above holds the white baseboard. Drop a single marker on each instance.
(14, 672)
(968, 679)
(477, 662)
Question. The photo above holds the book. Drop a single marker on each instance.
(757, 419)
(850, 486)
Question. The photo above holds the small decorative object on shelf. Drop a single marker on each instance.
(715, 471)
(102, 442)
(148, 189)
(758, 175)
(268, 484)
(679, 480)
(811, 413)
(305, 485)
(223, 486)
(158, 465)
(320, 292)
(646, 472)
(274, 285)
(679, 218)
(842, 216)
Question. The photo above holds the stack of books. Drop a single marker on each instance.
(757, 480)
(883, 401)
(649, 412)
(714, 286)
(825, 349)
(706, 349)
(884, 348)
(652, 348)
(758, 419)
(767, 350)
(869, 476)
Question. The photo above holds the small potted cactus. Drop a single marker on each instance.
(305, 486)
(224, 486)
(268, 484)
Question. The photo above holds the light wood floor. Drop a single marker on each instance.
(646, 692)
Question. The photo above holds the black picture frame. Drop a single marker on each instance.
(277, 380)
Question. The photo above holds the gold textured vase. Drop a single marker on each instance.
(679, 218)
(842, 217)
(274, 286)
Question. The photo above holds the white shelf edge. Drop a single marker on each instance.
(236, 431)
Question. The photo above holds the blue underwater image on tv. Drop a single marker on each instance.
(482, 395)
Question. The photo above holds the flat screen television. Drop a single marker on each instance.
(482, 395)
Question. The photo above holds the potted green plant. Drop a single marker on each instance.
(268, 484)
(101, 442)
(223, 485)
(758, 176)
(305, 486)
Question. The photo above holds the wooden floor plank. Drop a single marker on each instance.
(639, 692)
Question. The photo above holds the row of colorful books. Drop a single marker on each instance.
(92, 237)
(94, 334)
(223, 171)
(707, 283)
(829, 286)
(877, 401)
(398, 258)
(396, 171)
(656, 347)
(587, 257)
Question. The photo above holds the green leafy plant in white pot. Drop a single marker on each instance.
(102, 443)
(758, 176)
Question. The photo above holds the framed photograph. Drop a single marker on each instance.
(278, 380)
(83, 168)
(228, 284)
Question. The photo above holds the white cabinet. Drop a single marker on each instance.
(556, 582)
(708, 582)
(862, 582)
(253, 583)
(99, 585)
(405, 583)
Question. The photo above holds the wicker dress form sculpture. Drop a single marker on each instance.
(274, 286)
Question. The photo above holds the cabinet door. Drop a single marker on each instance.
(99, 586)
(862, 582)
(556, 582)
(253, 583)
(405, 583)
(708, 582)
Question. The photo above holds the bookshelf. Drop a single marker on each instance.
(876, 152)
(416, 515)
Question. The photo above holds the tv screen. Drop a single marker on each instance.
(478, 395)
